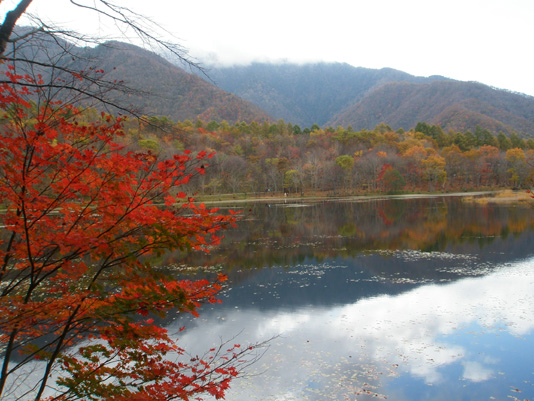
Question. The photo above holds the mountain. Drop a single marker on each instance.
(328, 94)
(305, 94)
(168, 89)
(160, 87)
(332, 94)
(451, 104)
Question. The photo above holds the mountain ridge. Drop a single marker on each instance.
(327, 94)
(153, 85)
(451, 104)
(349, 96)
(175, 93)
(305, 94)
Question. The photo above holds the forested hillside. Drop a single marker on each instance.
(305, 94)
(153, 85)
(169, 90)
(339, 94)
(275, 158)
(327, 94)
(450, 104)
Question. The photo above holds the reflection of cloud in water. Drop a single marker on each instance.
(365, 341)
(476, 372)
(283, 323)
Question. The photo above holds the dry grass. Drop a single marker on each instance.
(503, 197)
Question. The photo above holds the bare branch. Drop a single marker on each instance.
(26, 35)
(53, 52)
(144, 28)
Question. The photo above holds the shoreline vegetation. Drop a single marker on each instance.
(507, 196)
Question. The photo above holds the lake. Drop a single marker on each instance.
(404, 299)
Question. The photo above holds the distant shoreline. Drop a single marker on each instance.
(481, 197)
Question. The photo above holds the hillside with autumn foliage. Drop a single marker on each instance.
(327, 94)
(148, 83)
(168, 90)
(309, 93)
(450, 104)
(268, 159)
(333, 94)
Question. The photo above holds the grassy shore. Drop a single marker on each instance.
(503, 197)
(481, 197)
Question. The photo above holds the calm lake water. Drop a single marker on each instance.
(417, 299)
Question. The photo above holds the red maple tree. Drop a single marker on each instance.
(77, 212)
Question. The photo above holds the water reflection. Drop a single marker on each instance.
(285, 234)
(426, 299)
(462, 334)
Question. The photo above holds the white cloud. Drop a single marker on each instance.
(412, 333)
(481, 40)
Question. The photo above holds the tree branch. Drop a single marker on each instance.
(9, 23)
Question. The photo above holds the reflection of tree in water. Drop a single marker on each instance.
(391, 211)
(285, 234)
(348, 229)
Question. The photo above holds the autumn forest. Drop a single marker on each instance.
(275, 158)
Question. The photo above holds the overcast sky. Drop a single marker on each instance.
(488, 41)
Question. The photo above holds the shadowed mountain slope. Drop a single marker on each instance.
(158, 86)
(168, 89)
(451, 104)
(305, 94)
(331, 94)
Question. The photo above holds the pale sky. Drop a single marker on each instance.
(488, 41)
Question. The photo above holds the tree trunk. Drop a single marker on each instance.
(9, 23)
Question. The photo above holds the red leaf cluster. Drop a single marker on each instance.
(78, 212)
